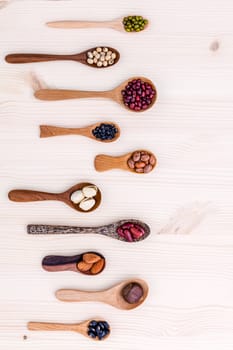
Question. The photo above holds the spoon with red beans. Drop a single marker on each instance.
(130, 230)
(136, 94)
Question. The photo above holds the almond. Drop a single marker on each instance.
(83, 266)
(91, 258)
(97, 267)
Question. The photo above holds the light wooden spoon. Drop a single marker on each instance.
(105, 162)
(31, 196)
(106, 230)
(88, 263)
(78, 57)
(81, 328)
(112, 296)
(115, 94)
(49, 131)
(116, 24)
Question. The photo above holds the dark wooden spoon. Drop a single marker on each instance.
(110, 230)
(79, 57)
(88, 263)
(31, 196)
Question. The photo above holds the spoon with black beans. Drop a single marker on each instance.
(93, 329)
(104, 131)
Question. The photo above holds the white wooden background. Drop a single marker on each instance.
(188, 53)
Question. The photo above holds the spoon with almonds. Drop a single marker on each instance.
(90, 263)
(96, 57)
(116, 24)
(136, 94)
(130, 230)
(84, 197)
(94, 329)
(126, 295)
(140, 162)
(93, 131)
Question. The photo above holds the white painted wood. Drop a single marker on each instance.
(188, 53)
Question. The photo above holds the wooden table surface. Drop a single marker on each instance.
(188, 259)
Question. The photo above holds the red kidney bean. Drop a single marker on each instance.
(130, 231)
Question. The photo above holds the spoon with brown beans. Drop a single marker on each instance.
(126, 295)
(140, 162)
(89, 263)
(96, 57)
(93, 329)
(135, 94)
(130, 230)
(84, 197)
(119, 24)
(103, 132)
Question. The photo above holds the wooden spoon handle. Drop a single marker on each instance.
(49, 131)
(104, 162)
(50, 229)
(30, 196)
(60, 263)
(45, 326)
(73, 295)
(80, 24)
(56, 95)
(30, 57)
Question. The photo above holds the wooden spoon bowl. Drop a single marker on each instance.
(30, 196)
(81, 328)
(49, 131)
(105, 162)
(116, 24)
(78, 57)
(112, 296)
(115, 94)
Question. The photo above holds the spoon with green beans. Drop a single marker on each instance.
(123, 24)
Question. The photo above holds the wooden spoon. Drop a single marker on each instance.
(89, 263)
(106, 230)
(48, 131)
(115, 94)
(116, 24)
(105, 162)
(31, 196)
(78, 57)
(81, 328)
(112, 296)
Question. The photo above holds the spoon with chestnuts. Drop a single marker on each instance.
(126, 295)
(135, 94)
(94, 329)
(97, 57)
(140, 162)
(83, 197)
(120, 24)
(124, 230)
(89, 263)
(103, 132)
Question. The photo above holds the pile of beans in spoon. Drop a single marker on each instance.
(138, 95)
